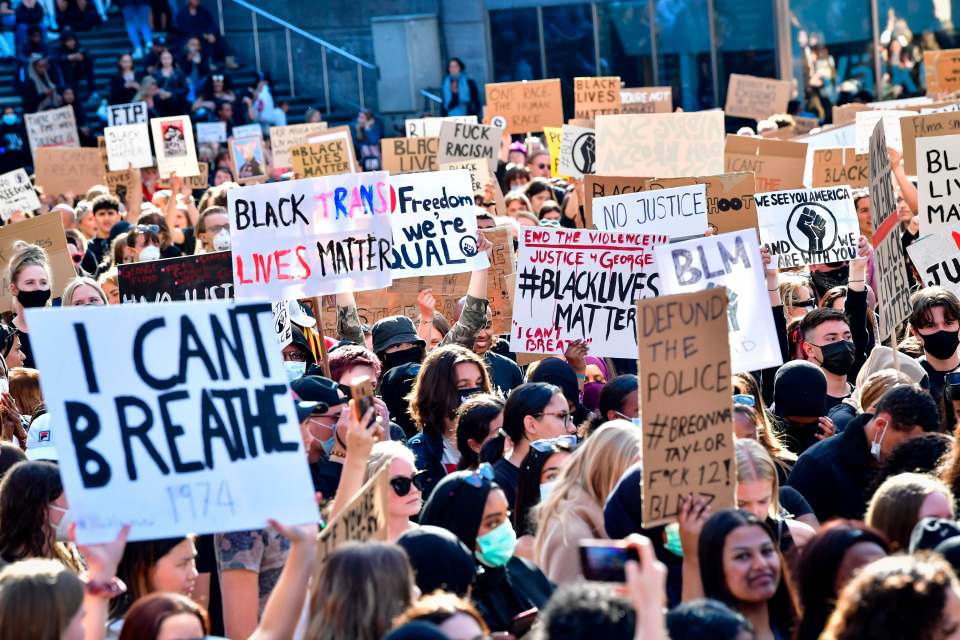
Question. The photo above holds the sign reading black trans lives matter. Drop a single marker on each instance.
(176, 420)
(808, 226)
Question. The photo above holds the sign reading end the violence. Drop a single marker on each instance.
(173, 419)
(685, 400)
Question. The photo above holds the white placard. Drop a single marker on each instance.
(53, 128)
(172, 420)
(938, 190)
(211, 132)
(430, 127)
(867, 120)
(281, 323)
(808, 226)
(173, 144)
(729, 260)
(127, 144)
(680, 212)
(244, 130)
(128, 113)
(16, 193)
(578, 151)
(937, 259)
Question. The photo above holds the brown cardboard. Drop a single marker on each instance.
(847, 113)
(410, 155)
(500, 277)
(840, 165)
(320, 159)
(730, 199)
(363, 519)
(46, 231)
(683, 338)
(282, 139)
(520, 107)
(646, 100)
(595, 186)
(61, 170)
(942, 71)
(594, 96)
(756, 98)
(777, 164)
(913, 127)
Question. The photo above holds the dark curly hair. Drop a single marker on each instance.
(25, 493)
(434, 399)
(917, 455)
(896, 598)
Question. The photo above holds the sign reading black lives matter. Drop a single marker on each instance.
(883, 199)
(938, 172)
(578, 151)
(808, 226)
(178, 419)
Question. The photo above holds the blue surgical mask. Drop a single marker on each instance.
(672, 543)
(328, 444)
(546, 488)
(497, 546)
(10, 119)
(294, 369)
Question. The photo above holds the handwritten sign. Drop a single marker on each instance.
(595, 186)
(304, 238)
(128, 144)
(808, 226)
(665, 145)
(479, 174)
(16, 194)
(867, 120)
(574, 284)
(434, 224)
(685, 398)
(730, 260)
(942, 70)
(205, 276)
(410, 155)
(838, 165)
(364, 519)
(321, 159)
(937, 259)
(883, 199)
(338, 133)
(776, 164)
(129, 113)
(938, 190)
(756, 98)
(173, 144)
(212, 133)
(62, 170)
(460, 141)
(152, 434)
(646, 100)
(596, 95)
(680, 212)
(246, 130)
(430, 127)
(893, 288)
(554, 138)
(731, 205)
(929, 126)
(53, 128)
(283, 139)
(578, 151)
(520, 107)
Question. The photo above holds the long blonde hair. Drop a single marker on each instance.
(755, 463)
(594, 468)
(38, 599)
(894, 507)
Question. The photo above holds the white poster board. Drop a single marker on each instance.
(938, 191)
(937, 259)
(578, 151)
(211, 132)
(16, 194)
(430, 127)
(127, 144)
(53, 128)
(128, 113)
(679, 212)
(173, 144)
(867, 120)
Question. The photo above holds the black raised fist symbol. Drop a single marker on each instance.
(814, 227)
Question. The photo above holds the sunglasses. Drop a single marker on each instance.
(147, 228)
(806, 304)
(566, 417)
(401, 485)
(484, 472)
(549, 444)
(542, 165)
(744, 399)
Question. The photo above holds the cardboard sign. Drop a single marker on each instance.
(409, 155)
(593, 96)
(646, 100)
(577, 284)
(808, 226)
(893, 287)
(756, 98)
(45, 231)
(730, 199)
(835, 166)
(248, 159)
(730, 260)
(776, 164)
(62, 170)
(942, 69)
(321, 159)
(205, 276)
(172, 419)
(434, 224)
(16, 194)
(554, 138)
(129, 113)
(119, 182)
(938, 190)
(364, 519)
(665, 145)
(937, 259)
(53, 128)
(521, 107)
(952, 107)
(283, 139)
(680, 212)
(595, 186)
(338, 133)
(847, 114)
(430, 127)
(213, 133)
(173, 144)
(685, 399)
(479, 174)
(578, 152)
(500, 279)
(459, 141)
(303, 238)
(127, 144)
(883, 199)
(199, 181)
(915, 127)
(867, 120)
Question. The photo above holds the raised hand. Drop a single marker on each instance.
(812, 225)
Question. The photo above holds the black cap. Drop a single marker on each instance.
(799, 389)
(394, 330)
(318, 389)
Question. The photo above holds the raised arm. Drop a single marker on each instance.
(282, 611)
(348, 320)
(474, 314)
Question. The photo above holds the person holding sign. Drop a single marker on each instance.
(30, 279)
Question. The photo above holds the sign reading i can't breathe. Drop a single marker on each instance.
(808, 226)
(172, 419)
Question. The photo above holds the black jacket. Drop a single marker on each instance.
(833, 475)
(428, 451)
(503, 592)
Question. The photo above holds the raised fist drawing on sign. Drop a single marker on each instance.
(814, 227)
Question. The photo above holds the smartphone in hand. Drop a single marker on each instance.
(604, 560)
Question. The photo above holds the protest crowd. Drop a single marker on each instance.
(612, 371)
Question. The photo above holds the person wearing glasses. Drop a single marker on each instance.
(538, 164)
(797, 296)
(213, 230)
(474, 507)
(573, 509)
(534, 411)
(406, 483)
(538, 475)
(142, 244)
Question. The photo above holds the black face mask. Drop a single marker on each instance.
(942, 344)
(33, 299)
(404, 356)
(838, 357)
(823, 281)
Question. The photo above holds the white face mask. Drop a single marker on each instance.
(294, 369)
(62, 528)
(149, 254)
(877, 441)
(221, 241)
(546, 488)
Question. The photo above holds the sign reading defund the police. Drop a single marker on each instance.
(730, 260)
(434, 224)
(808, 226)
(176, 420)
(304, 238)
